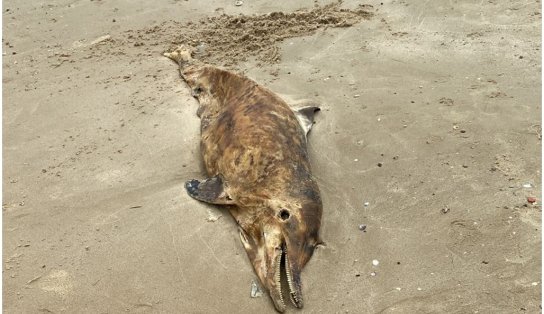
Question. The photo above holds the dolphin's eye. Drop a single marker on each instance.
(284, 214)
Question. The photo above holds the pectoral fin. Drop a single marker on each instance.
(211, 191)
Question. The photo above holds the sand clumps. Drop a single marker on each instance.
(230, 39)
(226, 40)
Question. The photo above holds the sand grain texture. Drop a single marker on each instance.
(426, 106)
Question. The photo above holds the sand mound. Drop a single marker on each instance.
(225, 40)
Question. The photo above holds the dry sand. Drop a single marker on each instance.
(431, 118)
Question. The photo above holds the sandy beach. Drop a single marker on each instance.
(429, 135)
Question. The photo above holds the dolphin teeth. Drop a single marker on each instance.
(277, 278)
(295, 299)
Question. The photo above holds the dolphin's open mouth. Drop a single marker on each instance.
(284, 270)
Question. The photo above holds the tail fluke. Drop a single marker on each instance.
(182, 55)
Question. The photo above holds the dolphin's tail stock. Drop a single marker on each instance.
(190, 68)
(183, 56)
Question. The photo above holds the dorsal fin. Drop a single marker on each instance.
(305, 116)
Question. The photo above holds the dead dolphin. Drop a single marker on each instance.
(254, 150)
